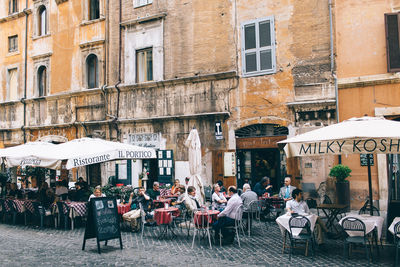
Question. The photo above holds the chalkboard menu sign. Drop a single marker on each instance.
(364, 160)
(103, 221)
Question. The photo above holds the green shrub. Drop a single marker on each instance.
(341, 172)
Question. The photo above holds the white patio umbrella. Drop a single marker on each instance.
(366, 135)
(86, 151)
(194, 145)
(30, 154)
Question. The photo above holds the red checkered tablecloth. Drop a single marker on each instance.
(123, 208)
(19, 204)
(164, 216)
(77, 208)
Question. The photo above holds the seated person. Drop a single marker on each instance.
(227, 216)
(286, 191)
(191, 202)
(80, 193)
(61, 188)
(299, 206)
(175, 187)
(263, 187)
(218, 200)
(221, 185)
(155, 192)
(46, 195)
(96, 193)
(134, 214)
(248, 196)
(82, 183)
(181, 197)
(13, 192)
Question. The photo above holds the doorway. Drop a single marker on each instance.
(394, 190)
(253, 164)
(93, 172)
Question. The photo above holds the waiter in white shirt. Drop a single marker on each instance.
(228, 215)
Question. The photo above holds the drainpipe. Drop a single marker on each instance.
(119, 69)
(25, 65)
(333, 60)
(333, 67)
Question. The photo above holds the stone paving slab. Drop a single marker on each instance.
(31, 246)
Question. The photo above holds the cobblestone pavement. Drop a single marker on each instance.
(29, 246)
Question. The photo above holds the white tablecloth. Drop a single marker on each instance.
(283, 223)
(391, 227)
(371, 222)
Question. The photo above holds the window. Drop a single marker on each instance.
(12, 6)
(392, 42)
(144, 65)
(12, 80)
(139, 3)
(258, 47)
(42, 21)
(92, 71)
(42, 81)
(13, 43)
(94, 9)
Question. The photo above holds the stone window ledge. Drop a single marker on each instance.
(41, 36)
(88, 22)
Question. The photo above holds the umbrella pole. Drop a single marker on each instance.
(369, 183)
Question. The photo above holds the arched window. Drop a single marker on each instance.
(42, 80)
(92, 71)
(42, 21)
(94, 9)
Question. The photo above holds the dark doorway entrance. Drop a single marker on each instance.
(253, 164)
(152, 168)
(93, 172)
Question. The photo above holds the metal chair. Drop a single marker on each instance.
(207, 193)
(355, 225)
(397, 241)
(40, 212)
(63, 213)
(302, 225)
(11, 209)
(3, 210)
(366, 210)
(238, 225)
(143, 219)
(201, 221)
(253, 211)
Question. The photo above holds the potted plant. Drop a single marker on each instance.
(341, 173)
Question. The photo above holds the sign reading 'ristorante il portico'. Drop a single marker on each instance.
(355, 146)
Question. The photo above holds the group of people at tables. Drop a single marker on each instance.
(46, 195)
(186, 196)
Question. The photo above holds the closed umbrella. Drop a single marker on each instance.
(365, 135)
(194, 146)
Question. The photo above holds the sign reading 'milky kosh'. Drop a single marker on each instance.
(374, 146)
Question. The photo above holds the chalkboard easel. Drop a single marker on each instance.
(103, 221)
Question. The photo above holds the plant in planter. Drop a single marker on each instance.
(341, 173)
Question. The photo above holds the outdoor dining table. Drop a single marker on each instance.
(158, 203)
(200, 217)
(331, 212)
(391, 227)
(24, 205)
(76, 209)
(283, 223)
(163, 217)
(123, 208)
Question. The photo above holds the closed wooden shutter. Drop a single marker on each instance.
(392, 42)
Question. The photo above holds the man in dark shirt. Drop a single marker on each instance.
(153, 193)
(263, 187)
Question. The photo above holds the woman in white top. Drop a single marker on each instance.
(96, 193)
(218, 199)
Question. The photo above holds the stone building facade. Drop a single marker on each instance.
(245, 74)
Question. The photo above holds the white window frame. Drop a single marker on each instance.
(139, 3)
(257, 50)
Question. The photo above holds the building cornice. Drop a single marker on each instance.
(16, 15)
(143, 20)
(92, 43)
(369, 80)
